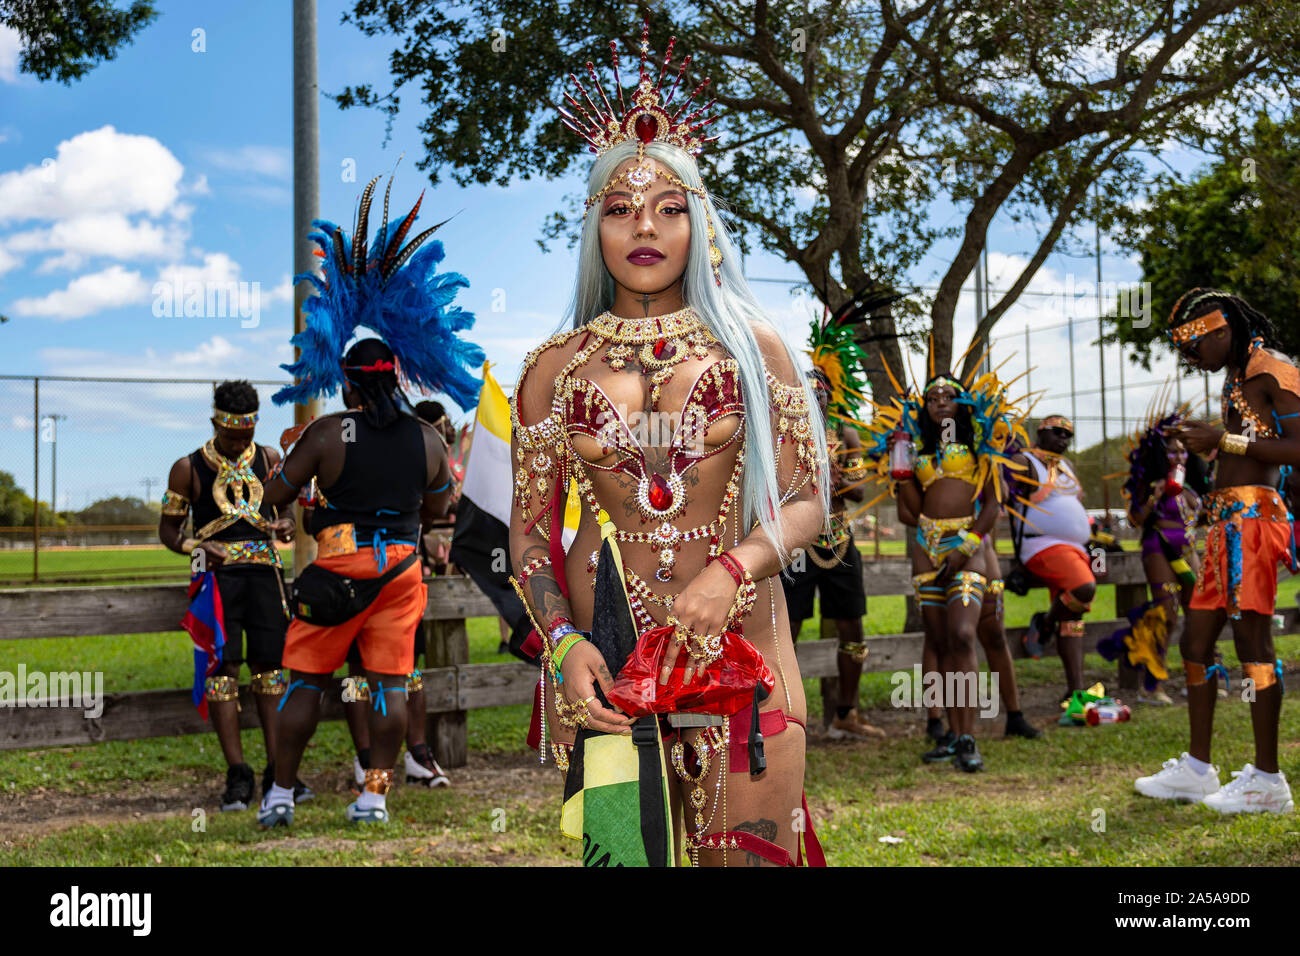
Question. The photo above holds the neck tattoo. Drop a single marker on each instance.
(645, 303)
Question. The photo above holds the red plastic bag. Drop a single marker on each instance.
(725, 687)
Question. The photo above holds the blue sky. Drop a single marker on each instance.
(170, 161)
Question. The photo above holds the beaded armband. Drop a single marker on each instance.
(175, 504)
(532, 567)
(970, 542)
(790, 405)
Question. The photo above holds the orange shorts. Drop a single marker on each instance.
(1249, 536)
(384, 632)
(1062, 567)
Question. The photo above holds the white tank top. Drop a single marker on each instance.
(1062, 519)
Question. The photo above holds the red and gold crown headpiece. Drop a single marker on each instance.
(648, 119)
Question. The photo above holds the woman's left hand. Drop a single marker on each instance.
(1198, 436)
(702, 608)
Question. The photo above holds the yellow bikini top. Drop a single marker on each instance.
(955, 460)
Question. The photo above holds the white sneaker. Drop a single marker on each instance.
(417, 772)
(1178, 781)
(358, 775)
(1250, 793)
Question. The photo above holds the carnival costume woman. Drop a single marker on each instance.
(665, 603)
(950, 575)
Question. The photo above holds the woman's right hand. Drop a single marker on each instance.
(583, 669)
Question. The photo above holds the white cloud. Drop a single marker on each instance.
(270, 161)
(99, 171)
(107, 234)
(10, 45)
(110, 288)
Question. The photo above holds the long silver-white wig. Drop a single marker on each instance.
(728, 311)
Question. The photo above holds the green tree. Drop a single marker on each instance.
(66, 39)
(1235, 226)
(118, 510)
(843, 123)
(15, 505)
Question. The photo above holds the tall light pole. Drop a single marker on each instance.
(54, 463)
(306, 200)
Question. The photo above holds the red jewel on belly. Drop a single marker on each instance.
(664, 350)
(661, 496)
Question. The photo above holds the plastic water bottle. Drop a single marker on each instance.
(901, 456)
(1106, 712)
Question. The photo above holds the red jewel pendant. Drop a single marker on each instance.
(660, 495)
(646, 127)
(664, 350)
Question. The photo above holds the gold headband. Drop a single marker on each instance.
(945, 380)
(1058, 421)
(1189, 332)
(234, 419)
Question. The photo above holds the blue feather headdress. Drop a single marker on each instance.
(393, 291)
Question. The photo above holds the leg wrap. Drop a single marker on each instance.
(355, 688)
(269, 683)
(968, 586)
(415, 681)
(293, 686)
(854, 649)
(994, 593)
(1072, 603)
(1264, 675)
(221, 688)
(381, 695)
(378, 781)
(1070, 629)
(927, 594)
(1198, 674)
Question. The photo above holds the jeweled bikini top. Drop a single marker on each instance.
(954, 460)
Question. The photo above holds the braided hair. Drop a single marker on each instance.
(930, 430)
(370, 369)
(1245, 321)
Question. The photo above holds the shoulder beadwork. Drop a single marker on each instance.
(549, 430)
(786, 399)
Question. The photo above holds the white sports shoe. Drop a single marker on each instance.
(416, 772)
(1178, 781)
(358, 774)
(1250, 793)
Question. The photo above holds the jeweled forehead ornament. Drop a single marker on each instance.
(647, 121)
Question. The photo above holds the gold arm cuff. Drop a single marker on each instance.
(414, 681)
(1231, 444)
(174, 504)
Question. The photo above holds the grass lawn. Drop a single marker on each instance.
(1064, 799)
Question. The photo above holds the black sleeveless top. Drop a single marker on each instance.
(205, 509)
(382, 484)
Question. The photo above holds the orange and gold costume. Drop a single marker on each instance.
(1249, 536)
(382, 631)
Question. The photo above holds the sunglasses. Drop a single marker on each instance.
(1061, 432)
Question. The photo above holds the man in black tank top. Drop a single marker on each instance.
(380, 474)
(220, 486)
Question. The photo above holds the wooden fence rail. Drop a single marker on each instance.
(452, 685)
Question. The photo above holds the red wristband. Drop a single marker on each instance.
(733, 567)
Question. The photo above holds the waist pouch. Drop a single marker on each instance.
(326, 599)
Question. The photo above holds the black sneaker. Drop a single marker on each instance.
(239, 787)
(301, 792)
(934, 729)
(965, 755)
(1017, 726)
(942, 749)
(1034, 639)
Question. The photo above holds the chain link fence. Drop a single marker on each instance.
(95, 453)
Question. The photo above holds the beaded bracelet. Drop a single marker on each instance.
(557, 657)
(560, 627)
(532, 567)
(734, 567)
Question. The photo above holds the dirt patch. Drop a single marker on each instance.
(36, 812)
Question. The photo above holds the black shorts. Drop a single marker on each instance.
(840, 587)
(251, 605)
